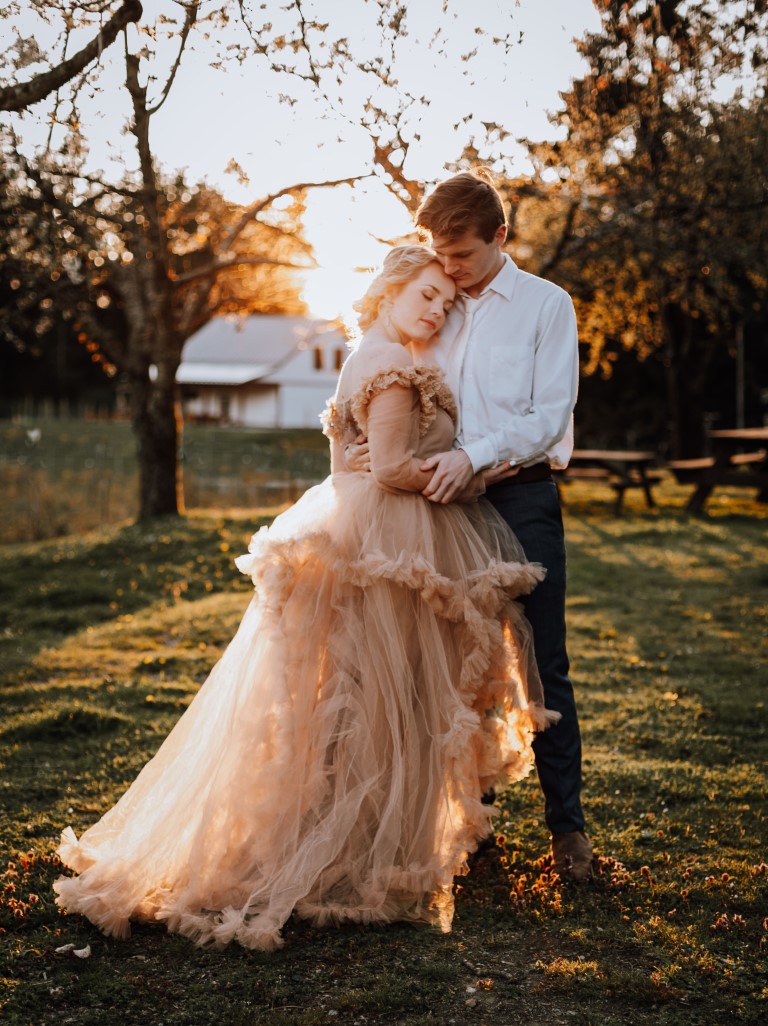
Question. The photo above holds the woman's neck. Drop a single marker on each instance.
(379, 331)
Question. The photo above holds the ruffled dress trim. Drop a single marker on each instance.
(332, 764)
(339, 420)
(476, 602)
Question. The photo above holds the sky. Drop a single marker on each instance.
(234, 112)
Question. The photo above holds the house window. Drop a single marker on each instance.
(318, 357)
(224, 407)
(338, 359)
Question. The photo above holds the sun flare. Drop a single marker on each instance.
(350, 230)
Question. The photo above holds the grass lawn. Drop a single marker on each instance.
(107, 635)
(69, 475)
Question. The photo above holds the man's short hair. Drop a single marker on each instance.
(468, 201)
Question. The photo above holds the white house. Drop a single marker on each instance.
(261, 371)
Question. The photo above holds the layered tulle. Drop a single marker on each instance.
(333, 762)
(381, 680)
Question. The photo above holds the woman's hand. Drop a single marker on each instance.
(357, 455)
(493, 475)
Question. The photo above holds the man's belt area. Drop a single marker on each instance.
(527, 475)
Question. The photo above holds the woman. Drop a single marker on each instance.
(381, 679)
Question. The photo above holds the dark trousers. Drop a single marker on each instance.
(532, 510)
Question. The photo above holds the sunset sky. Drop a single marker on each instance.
(234, 112)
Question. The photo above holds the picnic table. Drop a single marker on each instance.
(729, 464)
(620, 468)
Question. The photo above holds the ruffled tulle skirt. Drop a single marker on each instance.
(333, 763)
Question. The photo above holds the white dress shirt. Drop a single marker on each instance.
(511, 358)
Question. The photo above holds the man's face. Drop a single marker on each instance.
(471, 262)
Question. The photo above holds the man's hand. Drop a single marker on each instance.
(493, 475)
(453, 472)
(357, 454)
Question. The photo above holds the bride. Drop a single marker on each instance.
(382, 678)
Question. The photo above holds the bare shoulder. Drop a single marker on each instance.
(375, 362)
(375, 353)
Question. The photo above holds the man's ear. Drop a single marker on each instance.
(501, 234)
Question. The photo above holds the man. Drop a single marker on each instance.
(510, 354)
(509, 350)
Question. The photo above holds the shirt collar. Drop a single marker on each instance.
(503, 283)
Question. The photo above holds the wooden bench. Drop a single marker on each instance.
(620, 469)
(583, 474)
(687, 471)
(735, 469)
(690, 471)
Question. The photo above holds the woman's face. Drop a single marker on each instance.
(419, 309)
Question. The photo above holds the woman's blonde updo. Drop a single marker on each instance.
(401, 265)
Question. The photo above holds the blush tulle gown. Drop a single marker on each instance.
(382, 678)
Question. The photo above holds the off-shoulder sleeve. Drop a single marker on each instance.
(427, 383)
(394, 407)
(392, 418)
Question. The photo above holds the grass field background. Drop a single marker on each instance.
(106, 636)
(63, 476)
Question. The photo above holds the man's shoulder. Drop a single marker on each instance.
(534, 286)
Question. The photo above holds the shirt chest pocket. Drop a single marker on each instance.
(511, 371)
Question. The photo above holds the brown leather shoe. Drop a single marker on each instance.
(572, 856)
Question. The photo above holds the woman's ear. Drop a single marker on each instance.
(388, 299)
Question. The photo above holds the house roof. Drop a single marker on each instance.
(200, 373)
(261, 339)
(235, 351)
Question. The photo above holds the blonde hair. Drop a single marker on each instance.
(401, 265)
(468, 201)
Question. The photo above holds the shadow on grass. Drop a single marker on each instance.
(53, 589)
(667, 665)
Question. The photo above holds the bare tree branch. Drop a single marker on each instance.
(140, 131)
(24, 94)
(251, 212)
(189, 21)
(211, 270)
(55, 112)
(109, 341)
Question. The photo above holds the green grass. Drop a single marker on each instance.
(107, 635)
(67, 476)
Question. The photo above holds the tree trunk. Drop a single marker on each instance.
(157, 426)
(686, 367)
(155, 346)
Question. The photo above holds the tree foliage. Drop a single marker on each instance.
(141, 263)
(382, 68)
(652, 209)
(112, 19)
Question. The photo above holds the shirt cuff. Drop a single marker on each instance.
(482, 453)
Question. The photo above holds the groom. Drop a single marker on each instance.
(509, 350)
(510, 354)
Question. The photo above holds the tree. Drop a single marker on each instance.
(361, 70)
(21, 95)
(159, 282)
(161, 257)
(653, 208)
